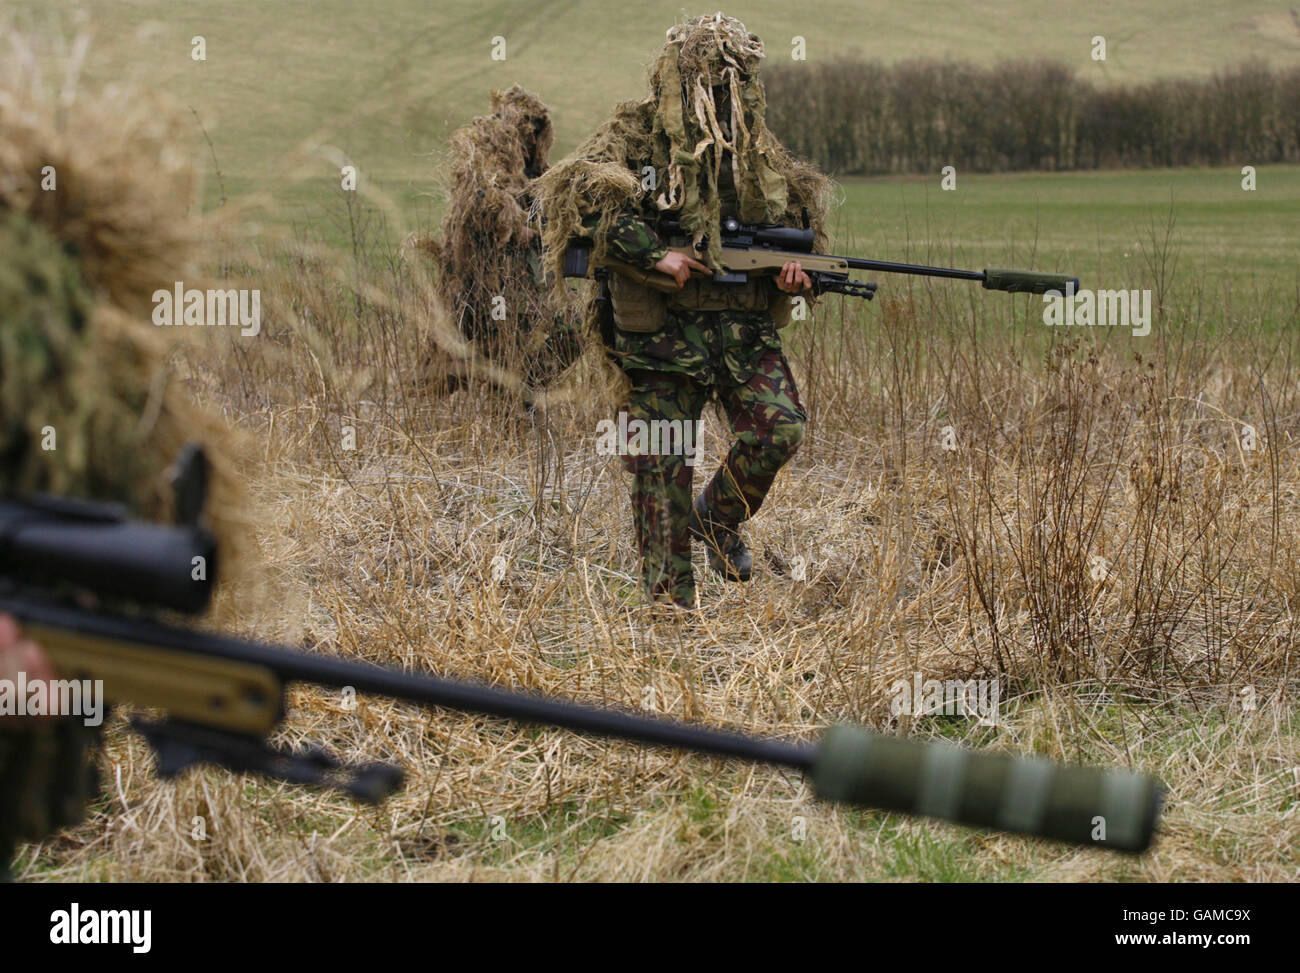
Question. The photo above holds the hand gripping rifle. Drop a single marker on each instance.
(764, 249)
(223, 696)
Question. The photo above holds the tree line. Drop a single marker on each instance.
(856, 116)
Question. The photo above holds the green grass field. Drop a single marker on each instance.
(1096, 225)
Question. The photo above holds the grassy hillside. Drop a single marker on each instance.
(386, 81)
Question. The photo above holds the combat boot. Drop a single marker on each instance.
(728, 555)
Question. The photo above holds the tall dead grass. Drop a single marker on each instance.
(1101, 540)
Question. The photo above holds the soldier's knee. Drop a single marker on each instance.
(787, 434)
(659, 467)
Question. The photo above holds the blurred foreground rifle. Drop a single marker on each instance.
(764, 249)
(223, 696)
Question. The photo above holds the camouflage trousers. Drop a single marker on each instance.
(767, 420)
(48, 775)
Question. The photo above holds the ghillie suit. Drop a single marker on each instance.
(490, 276)
(676, 132)
(697, 149)
(94, 199)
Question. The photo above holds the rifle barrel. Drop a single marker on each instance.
(920, 270)
(578, 717)
(294, 665)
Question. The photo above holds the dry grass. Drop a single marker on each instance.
(977, 562)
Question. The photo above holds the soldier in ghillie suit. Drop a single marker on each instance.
(696, 150)
(489, 256)
(94, 200)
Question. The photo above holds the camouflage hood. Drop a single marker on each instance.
(709, 106)
(530, 120)
(705, 109)
(95, 198)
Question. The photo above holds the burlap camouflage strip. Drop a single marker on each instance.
(81, 360)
